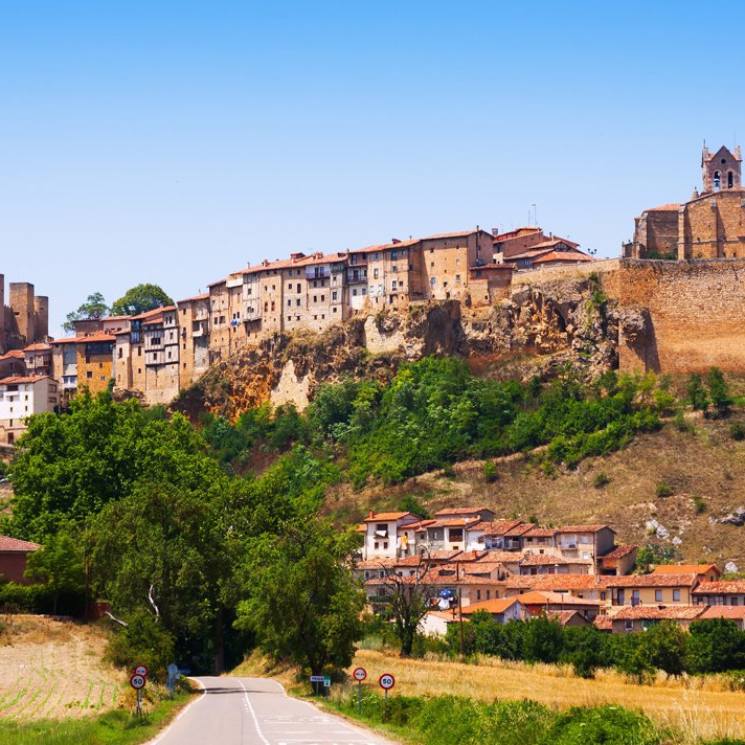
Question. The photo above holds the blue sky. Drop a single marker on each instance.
(174, 142)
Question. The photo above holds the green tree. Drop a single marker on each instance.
(719, 392)
(140, 299)
(715, 646)
(697, 393)
(93, 308)
(664, 644)
(143, 641)
(584, 649)
(302, 602)
(542, 640)
(59, 564)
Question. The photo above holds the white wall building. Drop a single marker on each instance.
(20, 398)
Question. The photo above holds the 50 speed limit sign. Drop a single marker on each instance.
(359, 674)
(386, 681)
(137, 681)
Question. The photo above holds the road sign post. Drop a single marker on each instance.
(359, 674)
(137, 681)
(317, 681)
(386, 681)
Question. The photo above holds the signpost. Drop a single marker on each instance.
(315, 680)
(142, 670)
(359, 674)
(137, 682)
(386, 681)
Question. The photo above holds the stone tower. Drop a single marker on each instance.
(722, 171)
(41, 317)
(22, 304)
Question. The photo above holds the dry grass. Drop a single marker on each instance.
(707, 464)
(52, 669)
(696, 711)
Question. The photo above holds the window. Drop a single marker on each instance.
(628, 625)
(456, 534)
(89, 375)
(658, 596)
(297, 302)
(289, 303)
(730, 179)
(334, 295)
(676, 595)
(433, 281)
(717, 180)
(375, 273)
(635, 597)
(478, 594)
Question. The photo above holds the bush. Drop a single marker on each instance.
(699, 506)
(663, 490)
(142, 642)
(601, 479)
(603, 724)
(697, 393)
(737, 431)
(490, 472)
(719, 392)
(681, 423)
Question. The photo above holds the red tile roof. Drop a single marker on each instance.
(17, 379)
(99, 336)
(721, 587)
(654, 580)
(496, 605)
(8, 544)
(670, 207)
(383, 517)
(619, 552)
(654, 613)
(603, 623)
(39, 346)
(685, 569)
(537, 560)
(516, 233)
(573, 256)
(554, 598)
(16, 354)
(591, 528)
(732, 612)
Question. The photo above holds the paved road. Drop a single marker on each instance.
(257, 711)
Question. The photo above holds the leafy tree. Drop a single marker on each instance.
(93, 308)
(697, 393)
(664, 645)
(630, 657)
(143, 641)
(301, 599)
(542, 640)
(584, 649)
(59, 565)
(140, 299)
(714, 646)
(719, 392)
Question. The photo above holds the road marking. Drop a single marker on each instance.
(181, 713)
(253, 714)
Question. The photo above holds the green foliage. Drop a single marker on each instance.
(652, 554)
(737, 431)
(490, 472)
(697, 393)
(143, 641)
(664, 645)
(584, 649)
(93, 308)
(719, 392)
(681, 423)
(59, 565)
(410, 503)
(542, 640)
(140, 299)
(314, 620)
(663, 489)
(603, 724)
(699, 505)
(714, 646)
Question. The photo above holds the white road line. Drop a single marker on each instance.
(178, 716)
(253, 714)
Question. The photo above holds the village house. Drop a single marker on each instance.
(652, 589)
(640, 618)
(703, 572)
(83, 362)
(194, 331)
(38, 358)
(12, 363)
(382, 534)
(20, 398)
(619, 560)
(720, 592)
(14, 554)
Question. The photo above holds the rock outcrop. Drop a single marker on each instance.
(537, 331)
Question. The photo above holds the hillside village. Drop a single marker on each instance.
(466, 561)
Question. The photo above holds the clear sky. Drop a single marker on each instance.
(174, 142)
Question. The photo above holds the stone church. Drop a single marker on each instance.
(709, 226)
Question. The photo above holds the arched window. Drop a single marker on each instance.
(730, 179)
(717, 180)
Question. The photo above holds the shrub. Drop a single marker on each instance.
(737, 431)
(603, 724)
(601, 479)
(699, 506)
(719, 392)
(663, 490)
(490, 472)
(681, 423)
(697, 393)
(143, 641)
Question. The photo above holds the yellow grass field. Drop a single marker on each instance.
(696, 710)
(53, 669)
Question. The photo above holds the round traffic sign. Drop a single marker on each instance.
(386, 681)
(137, 681)
(359, 674)
(141, 670)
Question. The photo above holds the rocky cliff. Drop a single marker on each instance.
(536, 331)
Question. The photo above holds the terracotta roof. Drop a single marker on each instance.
(654, 613)
(591, 528)
(553, 598)
(470, 556)
(516, 233)
(574, 256)
(16, 354)
(555, 241)
(420, 525)
(153, 312)
(378, 517)
(655, 580)
(603, 623)
(619, 551)
(8, 544)
(566, 582)
(503, 557)
(564, 616)
(443, 555)
(40, 346)
(451, 511)
(721, 587)
(670, 207)
(116, 318)
(16, 379)
(540, 533)
(454, 522)
(732, 612)
(539, 560)
(685, 569)
(497, 605)
(99, 336)
(194, 298)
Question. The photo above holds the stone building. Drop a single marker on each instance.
(25, 319)
(711, 225)
(194, 330)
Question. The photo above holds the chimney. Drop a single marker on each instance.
(297, 256)
(495, 232)
(395, 240)
(370, 515)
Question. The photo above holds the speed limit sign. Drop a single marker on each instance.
(386, 681)
(137, 681)
(141, 670)
(359, 674)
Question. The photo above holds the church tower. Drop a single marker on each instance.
(721, 170)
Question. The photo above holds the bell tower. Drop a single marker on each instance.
(721, 171)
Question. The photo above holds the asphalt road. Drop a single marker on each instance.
(257, 711)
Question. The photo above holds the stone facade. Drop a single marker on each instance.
(711, 225)
(25, 320)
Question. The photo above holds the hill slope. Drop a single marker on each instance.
(704, 469)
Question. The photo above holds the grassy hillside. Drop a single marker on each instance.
(704, 469)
